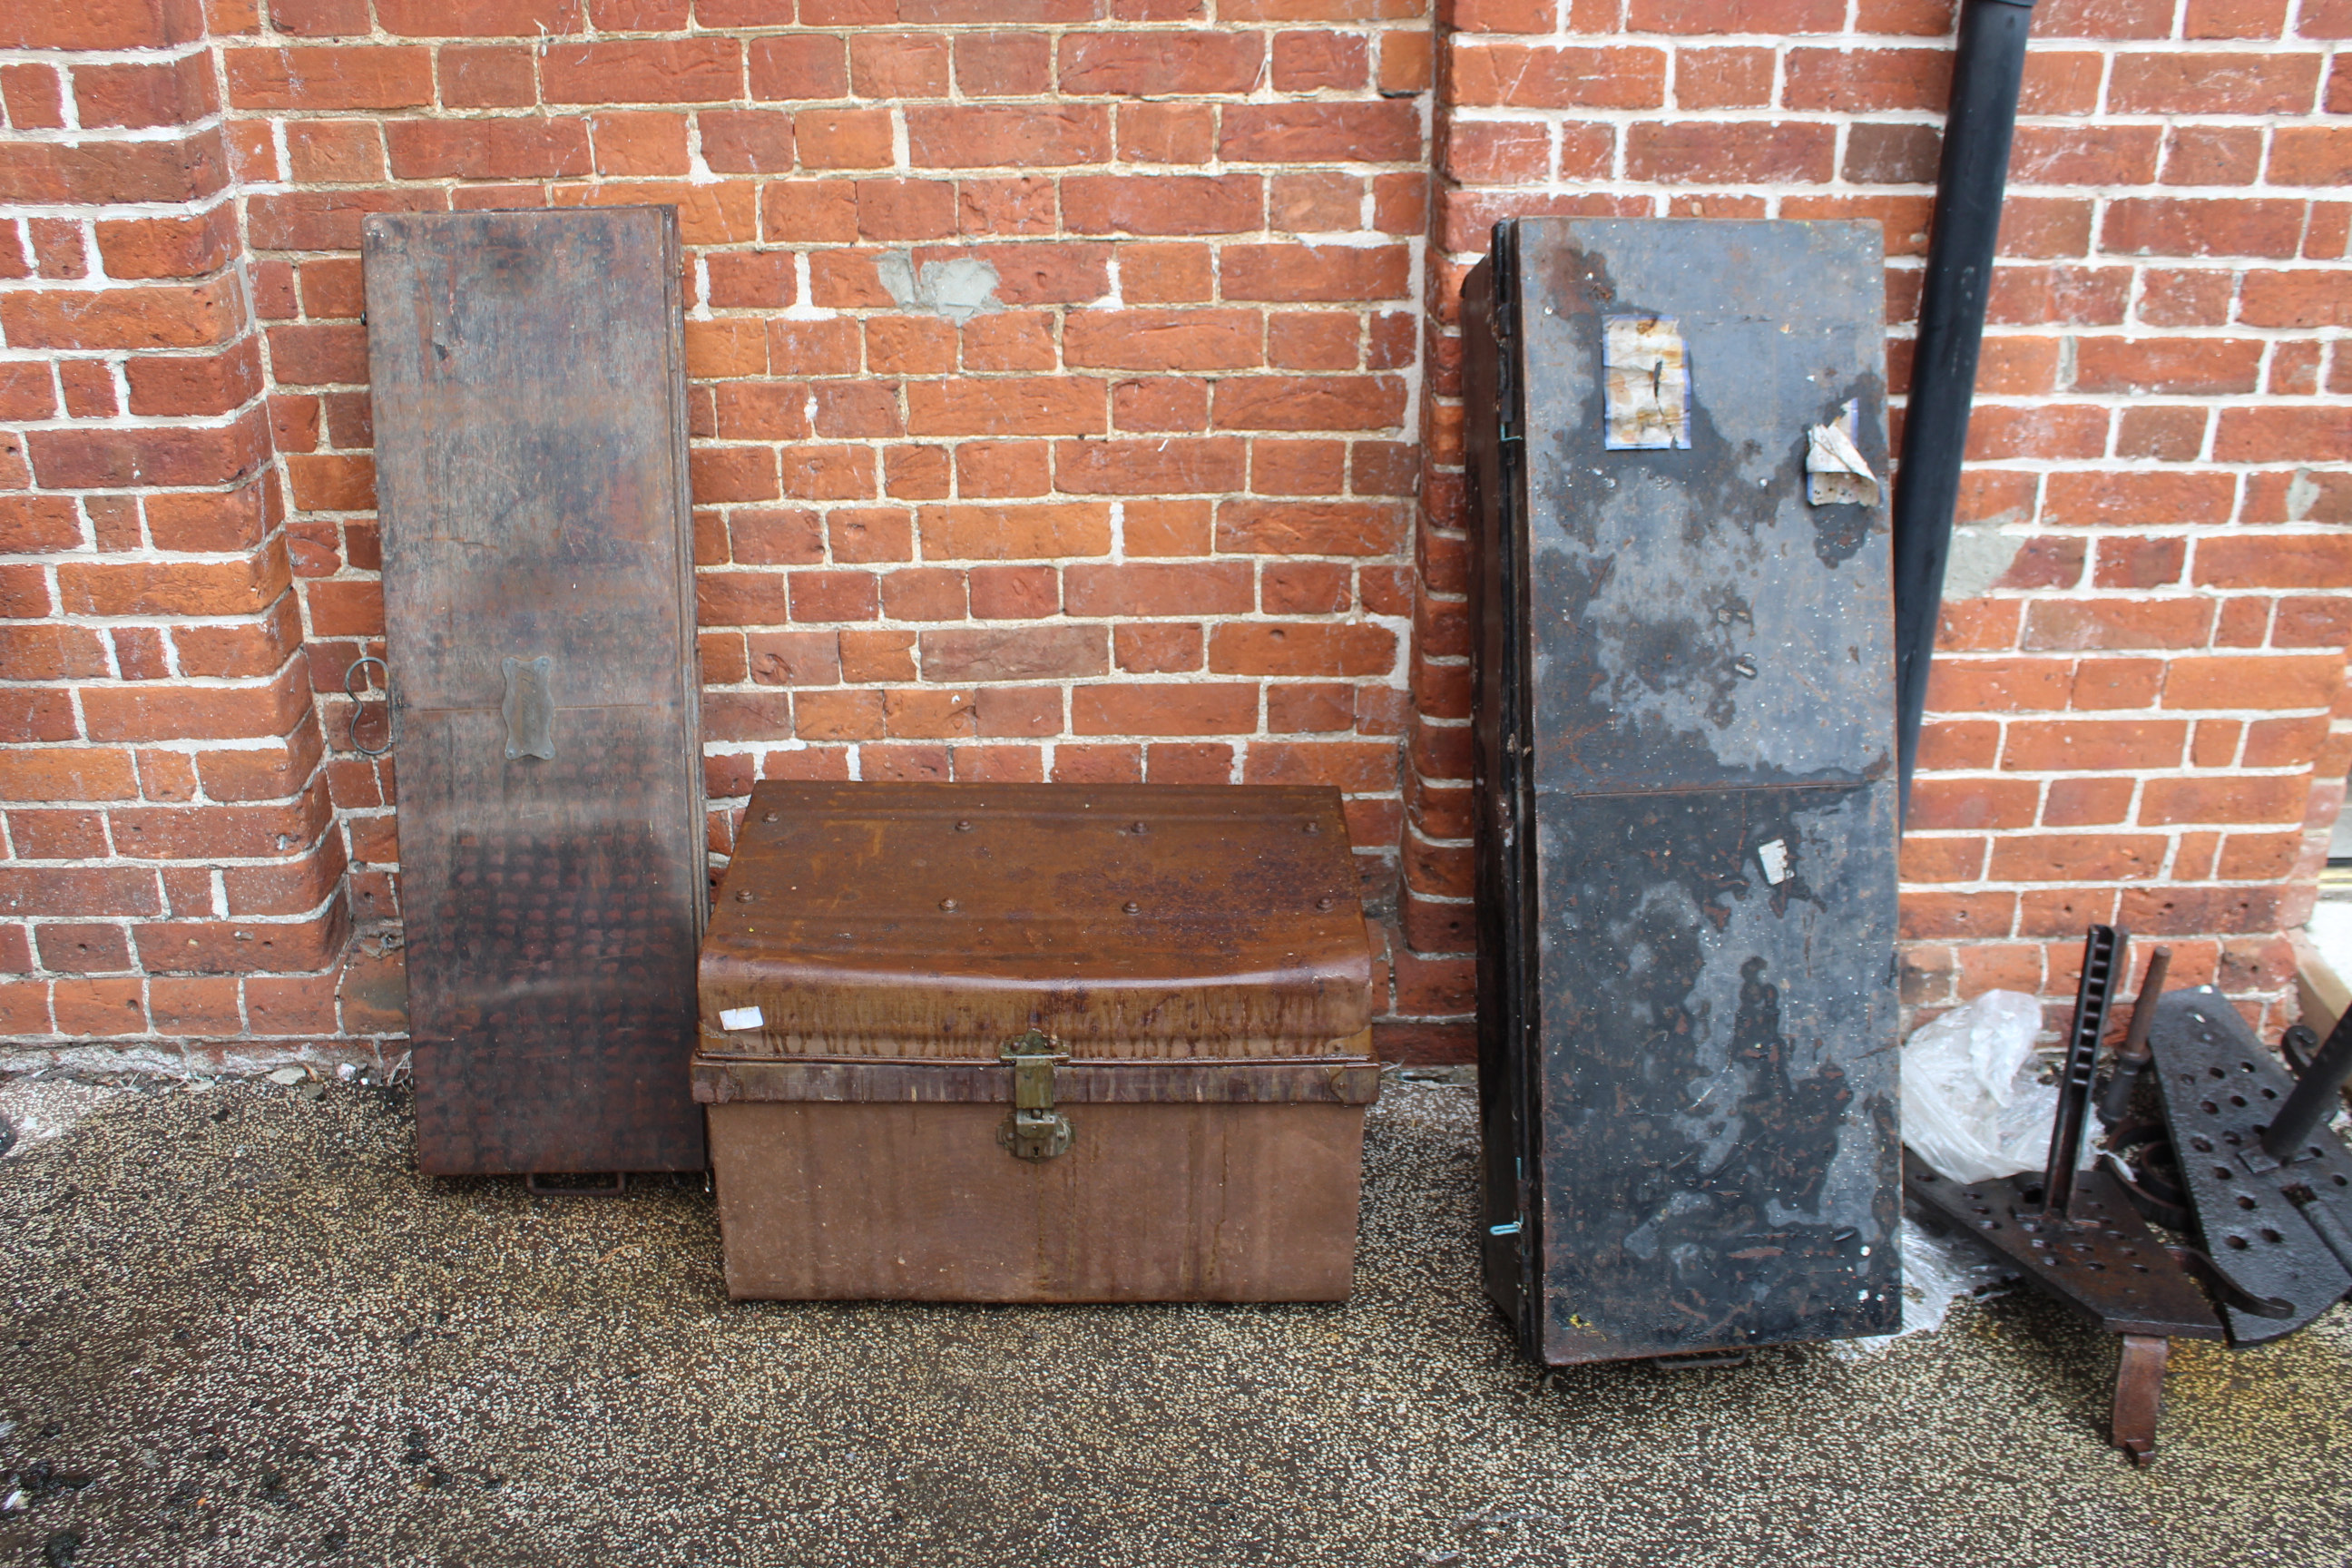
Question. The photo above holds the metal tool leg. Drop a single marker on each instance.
(2139, 1394)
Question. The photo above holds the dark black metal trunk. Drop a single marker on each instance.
(1685, 785)
(1990, 63)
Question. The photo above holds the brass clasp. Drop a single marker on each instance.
(1035, 1131)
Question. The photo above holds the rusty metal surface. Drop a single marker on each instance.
(1131, 921)
(1150, 1202)
(529, 425)
(2105, 1262)
(2263, 1221)
(1334, 1080)
(1686, 811)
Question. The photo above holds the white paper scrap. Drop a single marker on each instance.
(732, 1018)
(1773, 856)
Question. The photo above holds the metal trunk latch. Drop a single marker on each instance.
(1035, 1131)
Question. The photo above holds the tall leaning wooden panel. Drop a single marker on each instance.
(538, 581)
(1684, 781)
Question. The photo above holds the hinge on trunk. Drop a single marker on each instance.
(1035, 1131)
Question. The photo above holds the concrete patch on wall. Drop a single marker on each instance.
(1980, 555)
(958, 289)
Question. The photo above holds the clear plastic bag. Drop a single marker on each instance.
(1970, 1105)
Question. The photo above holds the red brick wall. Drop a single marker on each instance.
(1146, 516)
(1152, 514)
(2140, 672)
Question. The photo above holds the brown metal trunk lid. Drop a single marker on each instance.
(1133, 923)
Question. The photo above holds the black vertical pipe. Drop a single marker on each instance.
(1986, 69)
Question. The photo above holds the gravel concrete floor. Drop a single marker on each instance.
(244, 1333)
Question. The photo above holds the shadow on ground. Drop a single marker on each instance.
(243, 1331)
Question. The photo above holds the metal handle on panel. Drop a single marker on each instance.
(391, 709)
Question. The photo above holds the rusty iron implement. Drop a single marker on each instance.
(1683, 784)
(530, 407)
(2075, 1232)
(2132, 1057)
(2266, 1186)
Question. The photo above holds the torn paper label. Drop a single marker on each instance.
(1773, 856)
(733, 1018)
(1646, 384)
(1835, 471)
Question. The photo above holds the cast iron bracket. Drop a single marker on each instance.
(2277, 1227)
(2075, 1233)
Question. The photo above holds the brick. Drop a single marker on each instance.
(2276, 680)
(342, 151)
(1310, 528)
(2088, 745)
(2178, 366)
(926, 715)
(1165, 340)
(1317, 61)
(1699, 152)
(353, 76)
(1518, 75)
(325, 220)
(1133, 467)
(1294, 273)
(2212, 155)
(798, 67)
(1259, 648)
(2232, 798)
(1344, 764)
(2084, 156)
(1006, 407)
(1027, 652)
(1015, 205)
(2138, 498)
(899, 65)
(685, 70)
(65, 773)
(1191, 708)
(2199, 82)
(1163, 204)
(1383, 132)
(2164, 435)
(1033, 137)
(1003, 65)
(1062, 274)
(168, 246)
(83, 947)
(2313, 299)
(1219, 588)
(1309, 403)
(140, 96)
(485, 77)
(1017, 710)
(1858, 81)
(1317, 203)
(2181, 226)
(2271, 435)
(1160, 64)
(50, 653)
(1013, 592)
(967, 532)
(1158, 649)
(793, 658)
(97, 1009)
(641, 144)
(2078, 857)
(34, 97)
(869, 656)
(159, 316)
(1497, 153)
(1742, 79)
(1010, 342)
